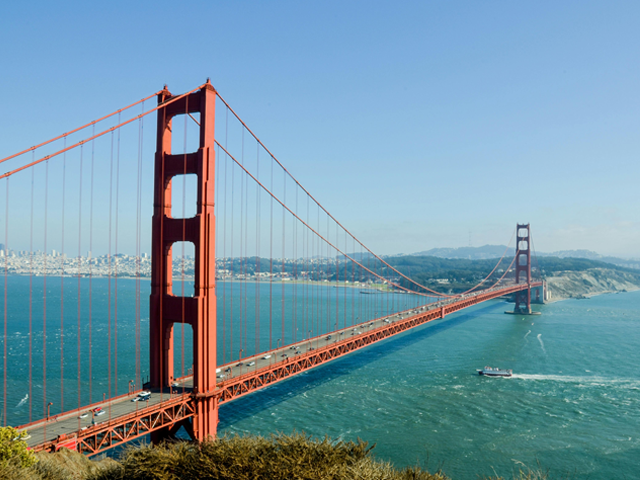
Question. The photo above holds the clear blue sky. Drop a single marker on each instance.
(414, 123)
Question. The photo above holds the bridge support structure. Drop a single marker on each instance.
(167, 309)
(523, 268)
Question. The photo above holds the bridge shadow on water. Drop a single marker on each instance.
(254, 403)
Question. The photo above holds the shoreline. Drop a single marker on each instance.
(587, 296)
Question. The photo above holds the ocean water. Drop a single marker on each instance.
(572, 405)
(108, 322)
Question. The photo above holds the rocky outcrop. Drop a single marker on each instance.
(587, 283)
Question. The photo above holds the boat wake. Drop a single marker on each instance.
(541, 343)
(595, 381)
(23, 401)
(527, 334)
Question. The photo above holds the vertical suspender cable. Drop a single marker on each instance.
(79, 271)
(308, 320)
(6, 279)
(224, 263)
(337, 281)
(257, 272)
(246, 254)
(110, 264)
(353, 279)
(115, 306)
(233, 170)
(62, 258)
(283, 255)
(242, 283)
(328, 276)
(295, 272)
(31, 296)
(138, 376)
(44, 299)
(318, 288)
(346, 273)
(271, 263)
(91, 270)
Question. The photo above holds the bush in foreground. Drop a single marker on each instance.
(247, 458)
(13, 450)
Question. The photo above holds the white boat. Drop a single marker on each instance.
(495, 372)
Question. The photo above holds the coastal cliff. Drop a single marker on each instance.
(586, 283)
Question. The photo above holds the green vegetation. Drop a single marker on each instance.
(13, 450)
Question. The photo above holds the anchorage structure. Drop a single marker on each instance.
(167, 309)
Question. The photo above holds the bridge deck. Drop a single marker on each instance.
(125, 419)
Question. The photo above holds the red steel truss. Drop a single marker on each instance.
(169, 414)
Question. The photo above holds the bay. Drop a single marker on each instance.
(572, 404)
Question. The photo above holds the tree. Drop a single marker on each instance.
(13, 449)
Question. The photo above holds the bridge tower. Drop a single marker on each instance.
(523, 266)
(167, 309)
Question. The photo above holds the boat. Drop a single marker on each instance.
(495, 372)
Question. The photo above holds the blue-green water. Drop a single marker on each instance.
(109, 315)
(572, 405)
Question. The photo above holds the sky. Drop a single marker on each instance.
(416, 124)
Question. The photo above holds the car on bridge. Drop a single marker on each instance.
(142, 396)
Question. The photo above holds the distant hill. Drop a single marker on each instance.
(496, 251)
(468, 253)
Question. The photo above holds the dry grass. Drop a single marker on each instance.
(280, 457)
(253, 458)
(62, 465)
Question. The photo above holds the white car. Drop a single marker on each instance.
(143, 396)
(251, 364)
(101, 412)
(84, 415)
(266, 357)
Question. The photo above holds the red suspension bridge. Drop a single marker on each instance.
(252, 280)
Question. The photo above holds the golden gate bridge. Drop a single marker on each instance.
(278, 285)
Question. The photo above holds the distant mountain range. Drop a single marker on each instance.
(496, 251)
